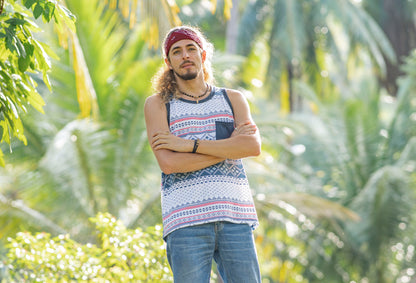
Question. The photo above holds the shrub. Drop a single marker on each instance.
(120, 255)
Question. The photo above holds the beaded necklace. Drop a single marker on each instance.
(196, 97)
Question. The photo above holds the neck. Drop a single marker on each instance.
(192, 87)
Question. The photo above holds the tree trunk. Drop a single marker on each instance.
(397, 23)
(232, 29)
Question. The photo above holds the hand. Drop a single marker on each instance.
(246, 128)
(166, 140)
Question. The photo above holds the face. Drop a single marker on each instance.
(186, 59)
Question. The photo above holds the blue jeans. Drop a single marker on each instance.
(190, 251)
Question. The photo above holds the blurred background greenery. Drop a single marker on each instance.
(332, 87)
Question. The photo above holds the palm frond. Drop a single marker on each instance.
(87, 97)
(407, 159)
(313, 206)
(382, 204)
(364, 31)
(291, 33)
(251, 25)
(158, 17)
(402, 127)
(73, 160)
(18, 208)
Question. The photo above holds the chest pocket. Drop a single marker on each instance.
(223, 130)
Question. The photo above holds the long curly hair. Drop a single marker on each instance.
(164, 81)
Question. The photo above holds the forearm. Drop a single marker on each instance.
(239, 145)
(235, 147)
(182, 162)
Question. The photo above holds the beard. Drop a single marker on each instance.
(188, 76)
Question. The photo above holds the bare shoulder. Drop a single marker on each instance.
(153, 99)
(155, 114)
(234, 94)
(240, 106)
(153, 103)
(237, 98)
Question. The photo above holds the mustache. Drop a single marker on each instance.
(187, 62)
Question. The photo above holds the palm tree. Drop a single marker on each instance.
(89, 156)
(396, 20)
(352, 154)
(315, 170)
(302, 39)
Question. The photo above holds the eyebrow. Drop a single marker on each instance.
(188, 45)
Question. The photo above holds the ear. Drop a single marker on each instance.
(167, 62)
(203, 55)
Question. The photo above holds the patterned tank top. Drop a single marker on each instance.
(217, 193)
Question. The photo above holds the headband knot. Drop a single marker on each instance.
(181, 34)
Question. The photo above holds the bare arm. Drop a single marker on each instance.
(244, 142)
(172, 161)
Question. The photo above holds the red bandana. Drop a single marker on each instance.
(181, 34)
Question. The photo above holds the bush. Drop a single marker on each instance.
(121, 255)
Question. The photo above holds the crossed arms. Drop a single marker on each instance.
(174, 154)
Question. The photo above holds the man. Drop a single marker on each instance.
(199, 133)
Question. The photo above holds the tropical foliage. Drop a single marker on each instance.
(88, 159)
(305, 38)
(335, 183)
(21, 54)
(355, 153)
(120, 255)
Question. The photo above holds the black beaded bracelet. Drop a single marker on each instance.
(196, 144)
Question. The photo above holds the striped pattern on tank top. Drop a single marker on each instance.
(217, 193)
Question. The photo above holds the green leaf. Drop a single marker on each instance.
(47, 82)
(23, 63)
(9, 41)
(2, 163)
(6, 130)
(64, 17)
(15, 22)
(42, 57)
(36, 101)
(37, 11)
(20, 47)
(49, 11)
(29, 48)
(67, 14)
(5, 78)
(13, 108)
(28, 3)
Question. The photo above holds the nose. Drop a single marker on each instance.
(185, 54)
